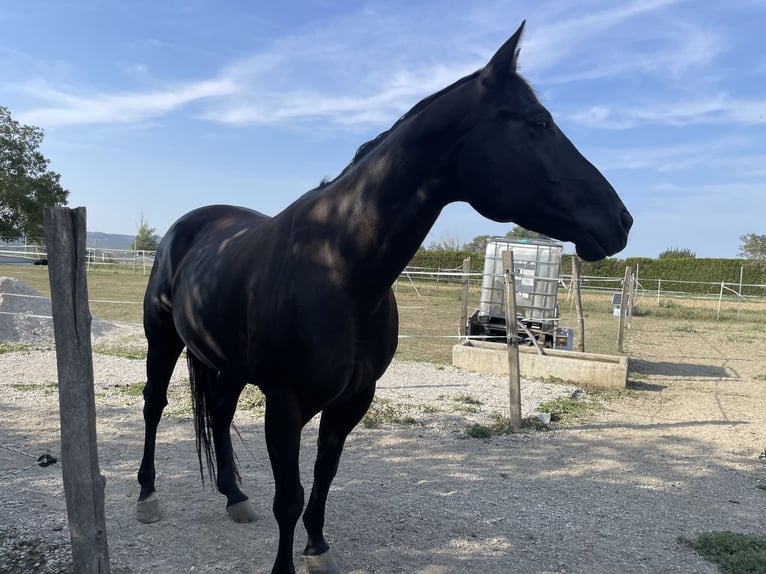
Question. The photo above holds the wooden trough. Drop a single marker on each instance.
(606, 371)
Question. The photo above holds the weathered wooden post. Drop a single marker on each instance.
(463, 327)
(579, 342)
(511, 331)
(626, 291)
(83, 482)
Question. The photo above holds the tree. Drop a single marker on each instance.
(677, 253)
(478, 244)
(519, 232)
(753, 247)
(449, 242)
(146, 238)
(26, 183)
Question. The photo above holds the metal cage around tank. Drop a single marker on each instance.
(537, 270)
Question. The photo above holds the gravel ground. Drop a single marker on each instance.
(37, 540)
(609, 495)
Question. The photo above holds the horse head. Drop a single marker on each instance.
(515, 164)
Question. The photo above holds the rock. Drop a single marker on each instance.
(26, 316)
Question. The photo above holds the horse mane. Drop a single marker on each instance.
(367, 147)
(370, 145)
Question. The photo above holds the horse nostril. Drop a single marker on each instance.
(627, 220)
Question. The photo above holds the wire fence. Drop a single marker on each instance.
(137, 261)
(44, 460)
(664, 287)
(418, 278)
(723, 298)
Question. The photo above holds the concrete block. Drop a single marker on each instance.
(590, 369)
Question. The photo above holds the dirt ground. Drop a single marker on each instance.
(675, 455)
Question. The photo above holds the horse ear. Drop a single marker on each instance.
(503, 63)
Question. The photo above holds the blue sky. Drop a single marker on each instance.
(160, 107)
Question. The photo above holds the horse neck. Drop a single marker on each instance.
(389, 204)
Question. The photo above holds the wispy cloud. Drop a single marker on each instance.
(377, 106)
(672, 158)
(717, 198)
(716, 109)
(72, 108)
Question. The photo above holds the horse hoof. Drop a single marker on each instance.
(242, 512)
(321, 563)
(148, 510)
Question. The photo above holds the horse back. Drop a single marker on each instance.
(203, 226)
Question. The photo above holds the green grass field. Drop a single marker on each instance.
(429, 312)
(114, 295)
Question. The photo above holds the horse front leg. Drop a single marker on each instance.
(336, 423)
(224, 403)
(160, 362)
(283, 426)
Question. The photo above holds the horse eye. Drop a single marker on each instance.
(540, 124)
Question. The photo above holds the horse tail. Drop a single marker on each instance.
(201, 380)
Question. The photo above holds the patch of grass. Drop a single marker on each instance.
(465, 409)
(567, 410)
(10, 348)
(429, 409)
(133, 389)
(552, 380)
(732, 552)
(252, 399)
(501, 425)
(436, 312)
(737, 338)
(478, 431)
(24, 387)
(182, 411)
(383, 411)
(466, 404)
(47, 388)
(760, 377)
(466, 399)
(122, 353)
(683, 329)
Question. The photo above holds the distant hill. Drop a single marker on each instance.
(93, 239)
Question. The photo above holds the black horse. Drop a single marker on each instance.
(301, 305)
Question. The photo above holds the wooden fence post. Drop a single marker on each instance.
(511, 330)
(579, 339)
(83, 482)
(626, 292)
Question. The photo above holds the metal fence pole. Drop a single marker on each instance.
(463, 327)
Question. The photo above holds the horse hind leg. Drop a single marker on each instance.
(161, 358)
(224, 403)
(214, 397)
(336, 423)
